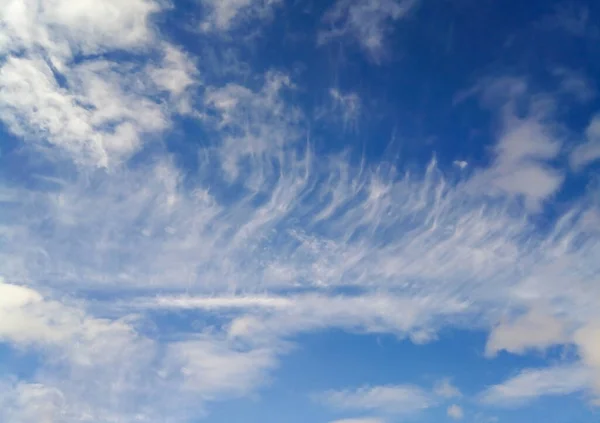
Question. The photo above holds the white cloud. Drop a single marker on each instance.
(243, 302)
(346, 104)
(575, 84)
(588, 341)
(91, 367)
(64, 29)
(27, 318)
(526, 142)
(96, 121)
(461, 164)
(57, 89)
(392, 399)
(271, 318)
(32, 402)
(263, 237)
(253, 127)
(215, 369)
(535, 329)
(531, 384)
(445, 389)
(455, 412)
(106, 370)
(420, 252)
(366, 22)
(222, 15)
(589, 151)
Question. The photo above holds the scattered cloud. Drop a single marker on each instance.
(445, 389)
(531, 384)
(461, 164)
(58, 89)
(222, 15)
(575, 84)
(528, 140)
(367, 23)
(216, 369)
(572, 18)
(532, 330)
(588, 152)
(348, 105)
(588, 341)
(391, 399)
(455, 412)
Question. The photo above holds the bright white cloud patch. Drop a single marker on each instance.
(533, 330)
(56, 87)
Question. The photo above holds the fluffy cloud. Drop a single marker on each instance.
(445, 389)
(57, 87)
(526, 143)
(533, 330)
(64, 30)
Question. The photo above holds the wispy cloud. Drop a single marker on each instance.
(391, 399)
(589, 151)
(531, 384)
(367, 23)
(262, 237)
(572, 18)
(222, 15)
(575, 84)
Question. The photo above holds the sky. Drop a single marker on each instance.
(332, 211)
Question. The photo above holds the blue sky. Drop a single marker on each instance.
(345, 211)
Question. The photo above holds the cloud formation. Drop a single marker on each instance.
(367, 23)
(107, 236)
(385, 399)
(531, 384)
